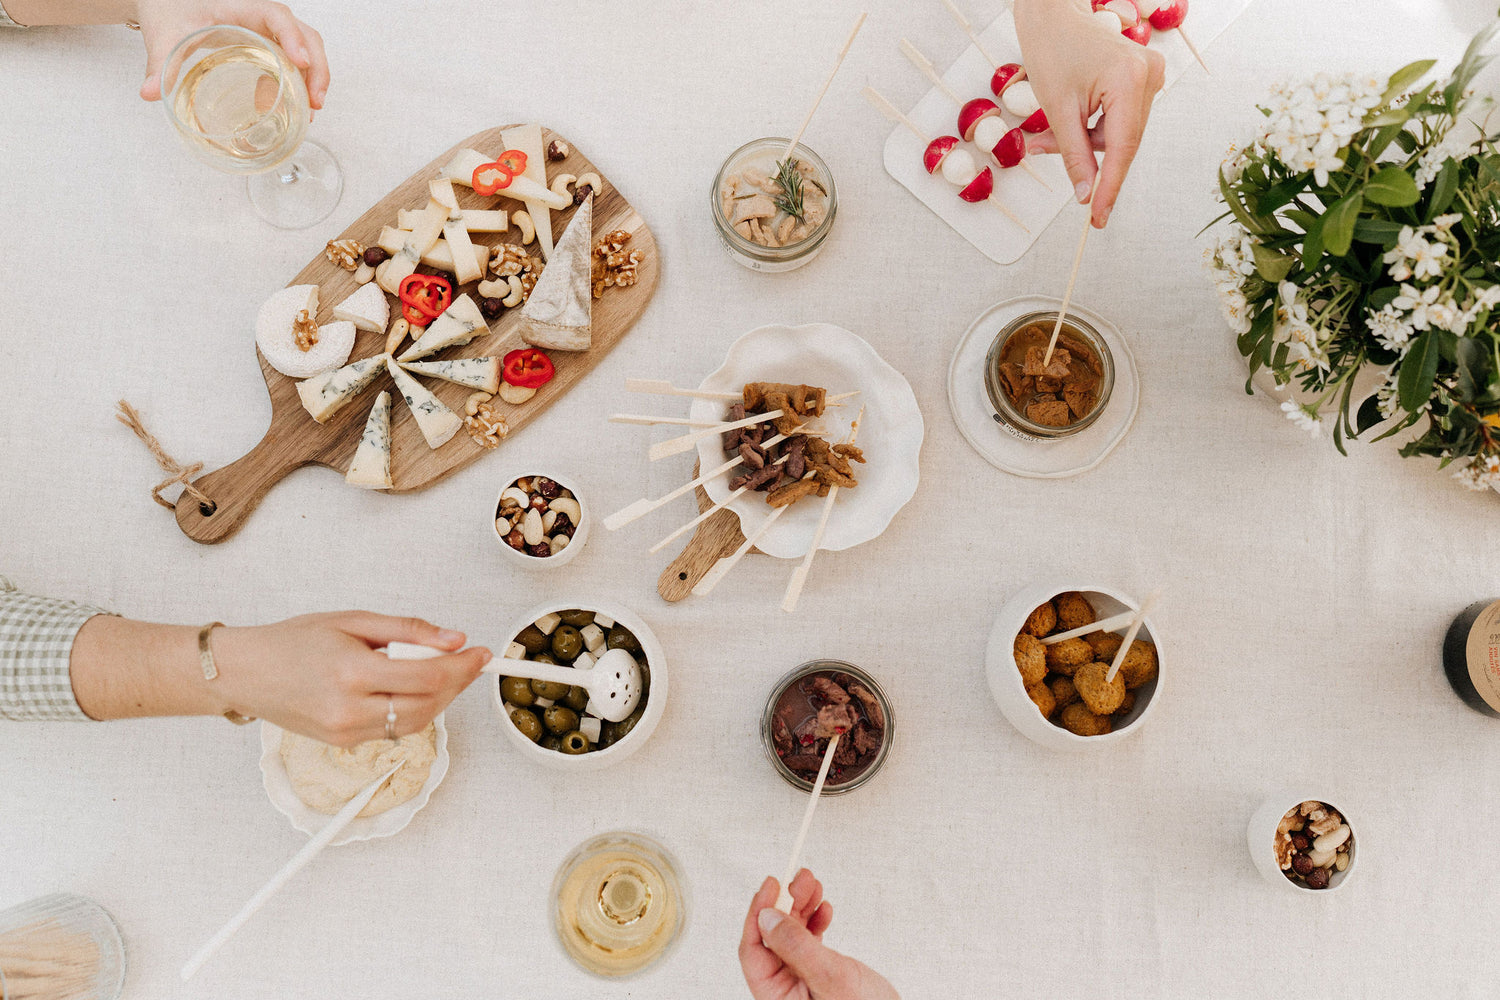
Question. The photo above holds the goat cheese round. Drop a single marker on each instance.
(277, 340)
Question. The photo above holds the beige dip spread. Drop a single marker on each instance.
(326, 777)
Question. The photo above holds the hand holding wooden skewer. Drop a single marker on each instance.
(784, 897)
(1062, 310)
(799, 575)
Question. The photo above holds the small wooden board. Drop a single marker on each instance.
(295, 440)
(715, 538)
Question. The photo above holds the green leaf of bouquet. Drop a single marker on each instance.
(1301, 217)
(1272, 198)
(1390, 116)
(1469, 66)
(1272, 266)
(1472, 362)
(1368, 415)
(1382, 297)
(1381, 232)
(1443, 189)
(1242, 215)
(1338, 223)
(1407, 142)
(1383, 139)
(1392, 187)
(1312, 245)
(1403, 78)
(1418, 370)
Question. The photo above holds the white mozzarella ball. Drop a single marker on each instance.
(1020, 100)
(1105, 19)
(989, 132)
(959, 167)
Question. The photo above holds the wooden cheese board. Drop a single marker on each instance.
(715, 538)
(294, 439)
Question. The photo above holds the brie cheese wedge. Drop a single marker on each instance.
(528, 139)
(436, 422)
(367, 309)
(371, 467)
(278, 341)
(475, 373)
(324, 395)
(559, 312)
(460, 323)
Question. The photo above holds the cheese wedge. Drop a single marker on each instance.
(278, 341)
(460, 323)
(475, 373)
(440, 190)
(423, 236)
(326, 394)
(528, 139)
(466, 267)
(436, 422)
(460, 169)
(371, 468)
(475, 220)
(367, 309)
(558, 314)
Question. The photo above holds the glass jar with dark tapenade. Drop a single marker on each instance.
(804, 706)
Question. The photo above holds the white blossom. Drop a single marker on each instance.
(1302, 417)
(1452, 145)
(1414, 254)
(1416, 303)
(1294, 328)
(1310, 125)
(1486, 298)
(1387, 397)
(1482, 473)
(1389, 328)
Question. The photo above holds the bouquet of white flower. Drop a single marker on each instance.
(1364, 233)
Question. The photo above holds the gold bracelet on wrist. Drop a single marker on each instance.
(211, 669)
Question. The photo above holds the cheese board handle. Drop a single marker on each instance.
(235, 490)
(715, 538)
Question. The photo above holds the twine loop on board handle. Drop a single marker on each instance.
(178, 473)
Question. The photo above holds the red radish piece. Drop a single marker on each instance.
(972, 113)
(980, 188)
(1011, 149)
(937, 151)
(1140, 32)
(1037, 122)
(1006, 75)
(1170, 15)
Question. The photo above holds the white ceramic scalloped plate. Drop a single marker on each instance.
(891, 435)
(389, 823)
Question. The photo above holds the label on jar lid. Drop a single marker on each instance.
(1483, 655)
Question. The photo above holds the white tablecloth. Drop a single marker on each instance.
(1305, 593)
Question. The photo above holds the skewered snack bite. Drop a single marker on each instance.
(788, 464)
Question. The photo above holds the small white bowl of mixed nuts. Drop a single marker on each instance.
(540, 522)
(1303, 842)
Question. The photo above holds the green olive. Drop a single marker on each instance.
(517, 691)
(577, 699)
(534, 639)
(621, 637)
(575, 743)
(567, 643)
(552, 743)
(546, 657)
(549, 689)
(576, 618)
(559, 719)
(526, 721)
(624, 727)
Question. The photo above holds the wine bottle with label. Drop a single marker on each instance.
(1471, 657)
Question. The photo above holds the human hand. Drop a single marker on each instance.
(1078, 67)
(320, 675)
(784, 958)
(164, 23)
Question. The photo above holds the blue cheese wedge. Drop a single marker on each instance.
(474, 373)
(324, 395)
(460, 323)
(371, 468)
(558, 314)
(367, 309)
(436, 422)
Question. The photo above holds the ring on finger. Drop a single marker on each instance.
(390, 718)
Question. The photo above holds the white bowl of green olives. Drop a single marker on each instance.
(551, 723)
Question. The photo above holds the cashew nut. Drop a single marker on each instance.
(517, 292)
(364, 274)
(569, 507)
(397, 333)
(516, 496)
(524, 223)
(472, 406)
(497, 289)
(560, 184)
(590, 180)
(515, 395)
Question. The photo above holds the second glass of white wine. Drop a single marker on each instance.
(241, 106)
(618, 904)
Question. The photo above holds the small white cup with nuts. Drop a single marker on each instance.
(1306, 843)
(540, 521)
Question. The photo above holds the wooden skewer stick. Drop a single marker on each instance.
(859, 22)
(706, 514)
(1102, 625)
(1194, 50)
(799, 575)
(657, 387)
(678, 445)
(647, 420)
(925, 67)
(1038, 177)
(885, 107)
(1088, 223)
(1135, 626)
(723, 566)
(784, 897)
(644, 506)
(968, 29)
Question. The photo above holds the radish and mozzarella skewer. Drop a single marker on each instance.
(1168, 15)
(944, 156)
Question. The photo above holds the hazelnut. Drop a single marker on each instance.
(547, 487)
(375, 256)
(539, 504)
(491, 307)
(1302, 864)
(563, 526)
(581, 193)
(558, 150)
(1300, 841)
(1318, 878)
(515, 540)
(539, 549)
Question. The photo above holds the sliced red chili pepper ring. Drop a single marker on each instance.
(513, 160)
(491, 177)
(424, 297)
(528, 368)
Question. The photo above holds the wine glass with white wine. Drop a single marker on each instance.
(241, 106)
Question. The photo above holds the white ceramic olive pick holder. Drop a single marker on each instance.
(613, 683)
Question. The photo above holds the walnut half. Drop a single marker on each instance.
(305, 330)
(345, 253)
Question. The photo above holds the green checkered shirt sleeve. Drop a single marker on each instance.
(5, 21)
(36, 640)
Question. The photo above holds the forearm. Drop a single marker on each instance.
(40, 12)
(124, 669)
